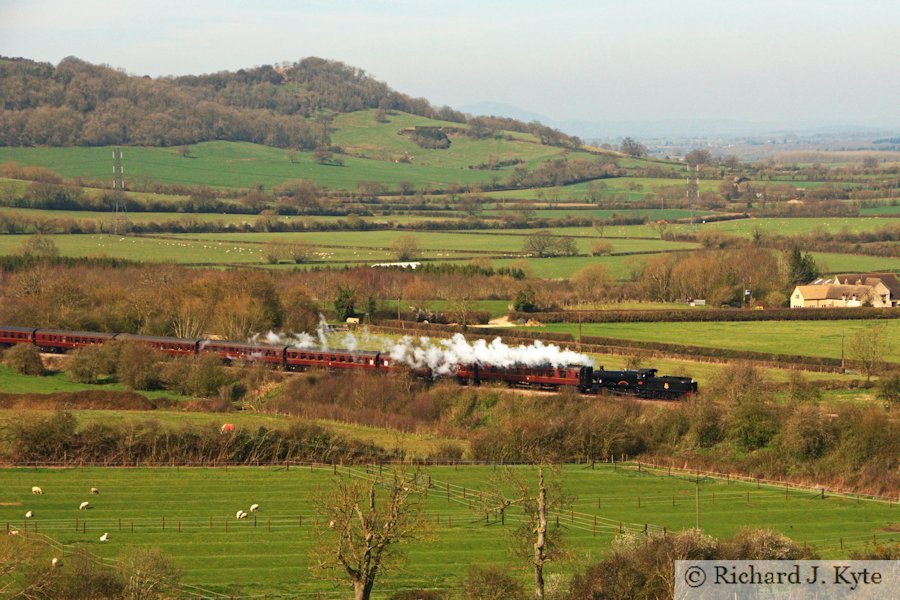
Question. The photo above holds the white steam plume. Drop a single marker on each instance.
(444, 356)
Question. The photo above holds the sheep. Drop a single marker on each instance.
(55, 563)
(83, 506)
(240, 515)
(95, 490)
(254, 507)
(29, 514)
(13, 532)
(36, 490)
(104, 538)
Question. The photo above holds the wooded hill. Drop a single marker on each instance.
(76, 103)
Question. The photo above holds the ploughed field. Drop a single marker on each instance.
(190, 514)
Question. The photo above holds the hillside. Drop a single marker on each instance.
(76, 103)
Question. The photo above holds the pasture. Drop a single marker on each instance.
(803, 338)
(190, 514)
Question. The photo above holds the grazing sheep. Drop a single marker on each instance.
(95, 491)
(83, 506)
(36, 490)
(55, 563)
(240, 515)
(13, 532)
(104, 537)
(29, 514)
(254, 507)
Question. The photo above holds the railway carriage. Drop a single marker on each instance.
(169, 345)
(230, 351)
(60, 340)
(298, 359)
(10, 336)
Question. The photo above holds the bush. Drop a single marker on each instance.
(86, 365)
(806, 434)
(491, 583)
(752, 424)
(138, 366)
(24, 359)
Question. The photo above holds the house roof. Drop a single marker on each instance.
(834, 292)
(890, 281)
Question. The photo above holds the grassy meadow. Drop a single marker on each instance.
(271, 552)
(803, 338)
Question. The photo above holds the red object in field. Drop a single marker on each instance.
(227, 427)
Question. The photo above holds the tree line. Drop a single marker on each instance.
(285, 105)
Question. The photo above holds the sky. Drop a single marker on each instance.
(809, 62)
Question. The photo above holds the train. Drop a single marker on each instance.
(643, 383)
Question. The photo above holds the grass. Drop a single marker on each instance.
(804, 338)
(271, 552)
(374, 152)
(14, 383)
(794, 226)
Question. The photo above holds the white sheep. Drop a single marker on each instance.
(254, 507)
(13, 532)
(83, 506)
(55, 563)
(29, 514)
(95, 490)
(104, 537)
(36, 490)
(240, 515)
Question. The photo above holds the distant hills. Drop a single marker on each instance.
(608, 130)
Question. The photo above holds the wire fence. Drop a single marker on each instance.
(474, 509)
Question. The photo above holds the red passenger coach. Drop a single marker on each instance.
(169, 345)
(297, 359)
(545, 377)
(58, 340)
(230, 351)
(16, 335)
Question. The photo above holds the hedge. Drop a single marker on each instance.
(709, 315)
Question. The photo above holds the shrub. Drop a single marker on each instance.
(491, 583)
(752, 424)
(86, 365)
(137, 367)
(24, 359)
(806, 433)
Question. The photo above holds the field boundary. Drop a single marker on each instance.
(625, 347)
(644, 465)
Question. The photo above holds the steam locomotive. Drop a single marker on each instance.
(643, 383)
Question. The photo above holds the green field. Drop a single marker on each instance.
(374, 152)
(804, 338)
(185, 511)
(794, 226)
(14, 383)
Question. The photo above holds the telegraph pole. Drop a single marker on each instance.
(120, 216)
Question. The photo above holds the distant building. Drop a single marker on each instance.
(859, 289)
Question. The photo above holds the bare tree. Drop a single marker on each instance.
(532, 541)
(543, 244)
(406, 247)
(869, 347)
(358, 535)
(632, 147)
